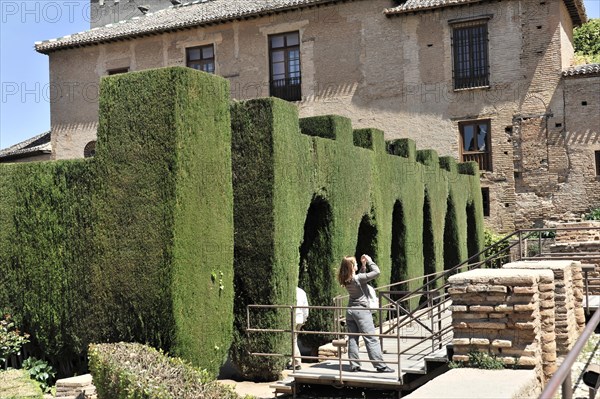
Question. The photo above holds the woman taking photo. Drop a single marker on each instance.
(359, 319)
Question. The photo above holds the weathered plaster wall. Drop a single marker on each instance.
(394, 74)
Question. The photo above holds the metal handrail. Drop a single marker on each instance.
(436, 297)
(562, 376)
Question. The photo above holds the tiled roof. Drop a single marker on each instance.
(575, 7)
(38, 144)
(588, 69)
(186, 15)
(421, 5)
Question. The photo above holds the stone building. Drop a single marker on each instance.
(487, 81)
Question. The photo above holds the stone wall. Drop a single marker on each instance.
(581, 241)
(568, 298)
(539, 144)
(501, 312)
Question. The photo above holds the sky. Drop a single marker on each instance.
(24, 76)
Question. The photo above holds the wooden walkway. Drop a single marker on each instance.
(414, 361)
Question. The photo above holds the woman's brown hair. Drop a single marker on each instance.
(346, 270)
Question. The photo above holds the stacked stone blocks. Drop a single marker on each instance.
(79, 387)
(568, 298)
(506, 313)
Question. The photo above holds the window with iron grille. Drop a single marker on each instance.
(470, 54)
(201, 58)
(284, 66)
(597, 153)
(475, 143)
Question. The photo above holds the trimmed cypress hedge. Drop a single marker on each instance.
(142, 238)
(302, 201)
(165, 225)
(47, 216)
(137, 244)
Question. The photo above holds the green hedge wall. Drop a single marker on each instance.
(45, 248)
(282, 178)
(138, 244)
(165, 225)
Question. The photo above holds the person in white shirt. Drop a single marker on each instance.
(301, 316)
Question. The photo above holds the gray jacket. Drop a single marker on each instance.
(357, 287)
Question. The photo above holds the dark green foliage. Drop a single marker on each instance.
(256, 277)
(479, 360)
(448, 163)
(468, 168)
(406, 148)
(136, 244)
(48, 252)
(586, 39)
(41, 372)
(398, 247)
(123, 371)
(498, 250)
(428, 157)
(164, 215)
(284, 184)
(594, 214)
(363, 138)
(428, 238)
(327, 126)
(452, 253)
(475, 232)
(366, 242)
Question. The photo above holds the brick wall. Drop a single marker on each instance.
(501, 312)
(568, 298)
(581, 241)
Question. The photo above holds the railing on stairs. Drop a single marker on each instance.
(402, 307)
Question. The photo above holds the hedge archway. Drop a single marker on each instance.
(316, 258)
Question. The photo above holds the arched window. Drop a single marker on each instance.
(90, 149)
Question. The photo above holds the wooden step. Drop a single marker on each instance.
(285, 386)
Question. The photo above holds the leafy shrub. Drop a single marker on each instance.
(126, 370)
(593, 214)
(586, 40)
(11, 339)
(41, 372)
(16, 384)
(586, 37)
(491, 239)
(480, 360)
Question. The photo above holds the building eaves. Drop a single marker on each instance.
(582, 70)
(39, 144)
(576, 8)
(186, 15)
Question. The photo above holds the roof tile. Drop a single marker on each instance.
(175, 17)
(587, 69)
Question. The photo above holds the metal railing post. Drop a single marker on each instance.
(293, 329)
(587, 293)
(520, 245)
(566, 388)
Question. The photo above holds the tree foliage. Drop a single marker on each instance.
(586, 39)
